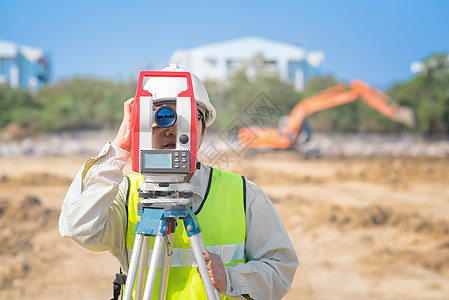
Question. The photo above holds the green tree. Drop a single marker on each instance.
(239, 92)
(18, 106)
(80, 103)
(77, 103)
(428, 94)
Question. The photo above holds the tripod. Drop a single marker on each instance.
(159, 208)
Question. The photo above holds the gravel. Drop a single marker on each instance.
(87, 143)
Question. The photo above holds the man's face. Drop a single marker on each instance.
(165, 138)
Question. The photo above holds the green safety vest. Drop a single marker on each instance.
(222, 220)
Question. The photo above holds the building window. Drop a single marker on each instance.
(211, 61)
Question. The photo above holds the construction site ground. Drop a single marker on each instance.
(371, 228)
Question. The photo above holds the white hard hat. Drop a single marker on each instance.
(166, 89)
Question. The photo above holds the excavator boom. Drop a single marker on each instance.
(384, 104)
(269, 138)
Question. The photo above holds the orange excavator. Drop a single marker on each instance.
(286, 137)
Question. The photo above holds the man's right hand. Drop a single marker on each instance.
(123, 138)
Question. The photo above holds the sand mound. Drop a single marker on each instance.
(372, 228)
(20, 220)
(34, 178)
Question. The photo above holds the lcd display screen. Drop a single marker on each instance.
(158, 161)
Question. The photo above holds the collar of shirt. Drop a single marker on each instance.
(199, 180)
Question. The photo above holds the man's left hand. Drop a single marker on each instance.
(216, 270)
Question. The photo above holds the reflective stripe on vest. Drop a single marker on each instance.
(222, 220)
(184, 257)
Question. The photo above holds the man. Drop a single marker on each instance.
(249, 252)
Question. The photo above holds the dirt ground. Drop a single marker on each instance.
(363, 228)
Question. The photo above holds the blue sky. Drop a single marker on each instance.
(375, 41)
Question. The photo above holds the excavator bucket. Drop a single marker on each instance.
(406, 115)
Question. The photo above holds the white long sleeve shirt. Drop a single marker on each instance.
(94, 215)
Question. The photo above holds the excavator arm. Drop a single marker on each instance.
(335, 96)
(384, 104)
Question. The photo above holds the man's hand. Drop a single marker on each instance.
(216, 270)
(123, 138)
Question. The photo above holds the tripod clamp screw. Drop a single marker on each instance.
(191, 223)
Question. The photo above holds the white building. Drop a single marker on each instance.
(253, 54)
(23, 66)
